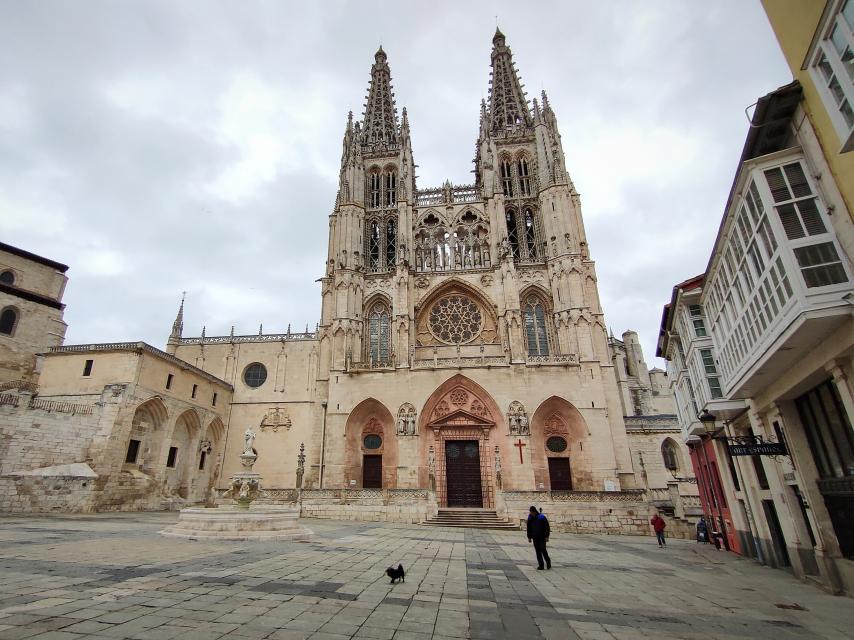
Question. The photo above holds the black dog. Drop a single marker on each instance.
(396, 574)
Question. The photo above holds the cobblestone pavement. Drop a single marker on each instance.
(113, 576)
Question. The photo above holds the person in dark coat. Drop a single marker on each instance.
(538, 533)
(702, 531)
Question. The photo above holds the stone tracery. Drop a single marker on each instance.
(455, 319)
(446, 246)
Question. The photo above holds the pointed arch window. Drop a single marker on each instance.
(374, 245)
(390, 188)
(536, 329)
(379, 335)
(390, 242)
(8, 321)
(524, 177)
(374, 189)
(512, 232)
(507, 178)
(670, 455)
(530, 234)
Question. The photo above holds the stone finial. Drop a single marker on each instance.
(178, 325)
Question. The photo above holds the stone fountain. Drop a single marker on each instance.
(241, 521)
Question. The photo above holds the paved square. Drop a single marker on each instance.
(113, 576)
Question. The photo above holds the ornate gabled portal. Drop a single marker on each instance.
(460, 422)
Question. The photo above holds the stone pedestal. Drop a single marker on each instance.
(238, 523)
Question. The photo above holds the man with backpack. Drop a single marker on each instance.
(538, 533)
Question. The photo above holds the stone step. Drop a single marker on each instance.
(469, 518)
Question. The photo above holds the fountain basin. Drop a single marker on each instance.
(236, 523)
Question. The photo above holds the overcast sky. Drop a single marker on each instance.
(157, 147)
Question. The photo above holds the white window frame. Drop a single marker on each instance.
(823, 47)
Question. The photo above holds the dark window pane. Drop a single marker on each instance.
(7, 321)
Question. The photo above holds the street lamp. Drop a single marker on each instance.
(708, 420)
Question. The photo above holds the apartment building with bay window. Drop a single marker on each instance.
(762, 345)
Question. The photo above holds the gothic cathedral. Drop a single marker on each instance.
(461, 346)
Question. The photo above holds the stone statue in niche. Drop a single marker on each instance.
(504, 249)
(431, 467)
(517, 419)
(497, 468)
(406, 420)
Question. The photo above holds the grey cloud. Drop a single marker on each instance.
(119, 138)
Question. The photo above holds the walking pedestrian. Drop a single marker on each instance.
(702, 531)
(538, 533)
(658, 525)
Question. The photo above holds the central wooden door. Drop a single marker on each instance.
(372, 472)
(559, 477)
(462, 473)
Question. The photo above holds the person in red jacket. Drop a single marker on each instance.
(658, 525)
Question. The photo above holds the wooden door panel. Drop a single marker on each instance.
(560, 477)
(372, 472)
(462, 473)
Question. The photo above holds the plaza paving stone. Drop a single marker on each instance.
(112, 576)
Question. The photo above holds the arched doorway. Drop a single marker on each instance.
(558, 434)
(371, 461)
(146, 435)
(457, 421)
(181, 457)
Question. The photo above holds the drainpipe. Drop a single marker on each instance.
(323, 403)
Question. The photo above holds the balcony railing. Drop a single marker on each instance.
(447, 194)
(554, 358)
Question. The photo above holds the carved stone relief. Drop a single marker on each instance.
(517, 419)
(275, 419)
(555, 426)
(406, 420)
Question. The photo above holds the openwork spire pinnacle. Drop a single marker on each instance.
(508, 107)
(178, 325)
(380, 123)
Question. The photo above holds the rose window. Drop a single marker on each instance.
(455, 320)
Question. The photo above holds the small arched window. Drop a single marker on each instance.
(524, 177)
(374, 189)
(8, 321)
(390, 188)
(7, 277)
(507, 178)
(379, 336)
(512, 232)
(536, 330)
(670, 455)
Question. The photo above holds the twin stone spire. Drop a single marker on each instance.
(507, 108)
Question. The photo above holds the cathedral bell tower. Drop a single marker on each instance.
(521, 170)
(374, 203)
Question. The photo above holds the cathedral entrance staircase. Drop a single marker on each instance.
(470, 519)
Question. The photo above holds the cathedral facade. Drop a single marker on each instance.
(461, 345)
(460, 360)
